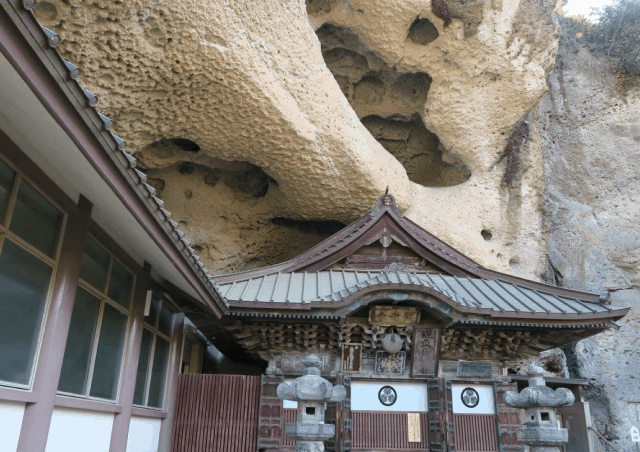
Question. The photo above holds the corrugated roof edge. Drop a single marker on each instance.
(113, 146)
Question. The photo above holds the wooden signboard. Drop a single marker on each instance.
(426, 351)
(292, 362)
(413, 430)
(394, 315)
(351, 357)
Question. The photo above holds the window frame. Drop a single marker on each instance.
(53, 262)
(155, 331)
(104, 299)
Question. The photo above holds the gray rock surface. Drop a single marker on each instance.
(590, 136)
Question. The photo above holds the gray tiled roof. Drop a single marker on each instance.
(334, 285)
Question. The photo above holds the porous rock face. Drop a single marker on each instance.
(321, 107)
(590, 136)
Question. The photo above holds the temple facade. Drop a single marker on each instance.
(420, 335)
(115, 337)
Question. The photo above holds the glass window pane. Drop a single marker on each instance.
(158, 373)
(109, 355)
(95, 264)
(154, 311)
(24, 283)
(36, 220)
(143, 366)
(77, 353)
(120, 284)
(166, 320)
(7, 175)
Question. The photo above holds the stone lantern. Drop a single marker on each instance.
(540, 430)
(311, 391)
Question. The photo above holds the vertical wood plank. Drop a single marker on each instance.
(476, 433)
(216, 413)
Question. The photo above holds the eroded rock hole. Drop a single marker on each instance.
(419, 151)
(423, 32)
(185, 145)
(242, 177)
(320, 227)
(388, 103)
(486, 234)
(554, 367)
(316, 7)
(470, 12)
(252, 181)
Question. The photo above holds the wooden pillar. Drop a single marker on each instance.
(121, 421)
(175, 364)
(37, 415)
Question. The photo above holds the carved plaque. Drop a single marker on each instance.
(351, 357)
(474, 369)
(292, 362)
(413, 420)
(394, 315)
(390, 363)
(426, 351)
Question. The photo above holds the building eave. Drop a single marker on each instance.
(27, 46)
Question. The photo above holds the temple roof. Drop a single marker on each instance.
(337, 272)
(328, 287)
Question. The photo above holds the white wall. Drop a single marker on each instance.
(144, 434)
(411, 396)
(79, 431)
(486, 405)
(10, 423)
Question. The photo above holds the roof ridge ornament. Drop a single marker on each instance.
(386, 201)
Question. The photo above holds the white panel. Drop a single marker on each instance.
(411, 396)
(289, 403)
(79, 431)
(144, 434)
(486, 404)
(10, 423)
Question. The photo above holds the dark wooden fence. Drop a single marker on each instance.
(381, 430)
(216, 413)
(476, 432)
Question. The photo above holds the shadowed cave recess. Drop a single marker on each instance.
(389, 103)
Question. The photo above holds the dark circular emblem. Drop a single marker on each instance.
(470, 397)
(387, 395)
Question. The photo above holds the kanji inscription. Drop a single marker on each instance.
(413, 420)
(351, 357)
(393, 315)
(426, 350)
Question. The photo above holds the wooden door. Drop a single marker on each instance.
(508, 419)
(270, 414)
